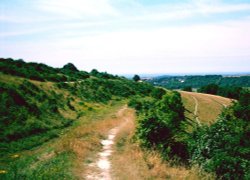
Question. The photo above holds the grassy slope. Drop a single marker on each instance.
(66, 154)
(75, 146)
(47, 88)
(49, 157)
(209, 106)
(63, 157)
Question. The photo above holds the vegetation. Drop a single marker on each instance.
(223, 147)
(129, 161)
(35, 108)
(39, 103)
(187, 88)
(160, 124)
(179, 82)
(225, 91)
(27, 111)
(41, 72)
(136, 78)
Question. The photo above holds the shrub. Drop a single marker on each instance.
(224, 147)
(159, 124)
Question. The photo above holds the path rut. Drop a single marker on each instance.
(196, 111)
(102, 166)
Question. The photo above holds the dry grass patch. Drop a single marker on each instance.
(129, 161)
(209, 106)
(11, 79)
(189, 104)
(84, 140)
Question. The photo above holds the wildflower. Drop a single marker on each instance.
(3, 172)
(15, 156)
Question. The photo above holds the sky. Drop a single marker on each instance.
(129, 36)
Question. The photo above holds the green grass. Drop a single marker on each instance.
(31, 167)
(56, 155)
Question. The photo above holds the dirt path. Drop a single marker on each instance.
(196, 111)
(100, 169)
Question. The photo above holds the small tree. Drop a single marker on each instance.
(136, 78)
(187, 88)
(94, 72)
(70, 67)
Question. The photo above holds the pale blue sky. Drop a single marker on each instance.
(129, 36)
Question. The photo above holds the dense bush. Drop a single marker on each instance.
(103, 75)
(158, 93)
(209, 89)
(187, 88)
(103, 90)
(41, 72)
(224, 147)
(160, 124)
(27, 110)
(225, 91)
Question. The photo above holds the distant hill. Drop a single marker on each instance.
(197, 81)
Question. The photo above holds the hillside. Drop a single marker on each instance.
(33, 107)
(53, 119)
(39, 103)
(204, 106)
(64, 123)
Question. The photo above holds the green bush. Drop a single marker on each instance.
(41, 72)
(225, 91)
(26, 110)
(187, 88)
(160, 124)
(224, 147)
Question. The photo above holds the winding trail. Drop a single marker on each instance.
(196, 111)
(102, 166)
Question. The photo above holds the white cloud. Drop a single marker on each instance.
(190, 41)
(221, 47)
(101, 34)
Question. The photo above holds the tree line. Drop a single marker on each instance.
(232, 92)
(197, 81)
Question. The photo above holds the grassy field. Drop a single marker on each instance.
(209, 106)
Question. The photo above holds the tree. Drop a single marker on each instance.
(136, 78)
(158, 93)
(70, 67)
(187, 88)
(94, 72)
(209, 89)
